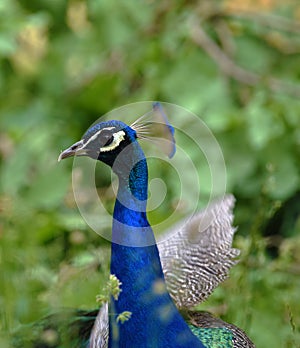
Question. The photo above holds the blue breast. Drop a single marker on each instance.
(155, 320)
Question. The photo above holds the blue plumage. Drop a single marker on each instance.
(155, 321)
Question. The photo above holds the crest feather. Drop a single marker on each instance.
(154, 126)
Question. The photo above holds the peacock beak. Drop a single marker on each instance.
(74, 150)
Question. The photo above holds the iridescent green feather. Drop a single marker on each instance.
(213, 337)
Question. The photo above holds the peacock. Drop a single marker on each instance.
(159, 282)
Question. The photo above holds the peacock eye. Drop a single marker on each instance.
(106, 137)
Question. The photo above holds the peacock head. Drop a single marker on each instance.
(115, 142)
(103, 141)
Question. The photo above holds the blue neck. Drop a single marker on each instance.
(155, 321)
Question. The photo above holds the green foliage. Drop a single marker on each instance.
(65, 63)
(111, 289)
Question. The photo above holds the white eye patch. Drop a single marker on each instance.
(118, 138)
(94, 137)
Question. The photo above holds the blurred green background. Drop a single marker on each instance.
(63, 64)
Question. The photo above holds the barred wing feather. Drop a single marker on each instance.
(197, 255)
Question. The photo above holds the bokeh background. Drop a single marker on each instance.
(236, 64)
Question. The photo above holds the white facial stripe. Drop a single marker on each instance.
(80, 142)
(118, 137)
(95, 136)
